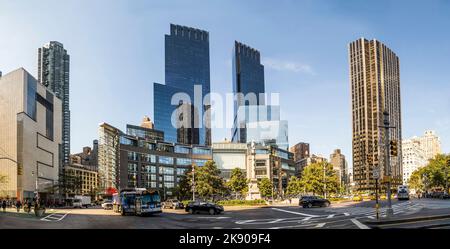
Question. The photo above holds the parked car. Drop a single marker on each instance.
(173, 203)
(313, 201)
(357, 198)
(107, 205)
(202, 207)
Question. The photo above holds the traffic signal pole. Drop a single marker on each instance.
(389, 211)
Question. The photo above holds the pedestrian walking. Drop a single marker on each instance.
(4, 205)
(18, 205)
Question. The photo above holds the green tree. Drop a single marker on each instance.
(208, 181)
(184, 187)
(434, 175)
(314, 180)
(238, 182)
(294, 187)
(265, 187)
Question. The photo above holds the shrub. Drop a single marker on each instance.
(242, 202)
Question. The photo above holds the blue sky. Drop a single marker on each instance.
(117, 52)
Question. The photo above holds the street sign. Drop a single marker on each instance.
(376, 173)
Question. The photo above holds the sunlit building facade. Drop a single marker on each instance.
(375, 88)
(30, 137)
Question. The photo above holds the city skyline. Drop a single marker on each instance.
(321, 85)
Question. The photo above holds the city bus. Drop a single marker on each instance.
(402, 192)
(147, 202)
(124, 202)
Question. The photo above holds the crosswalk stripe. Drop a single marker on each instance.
(292, 212)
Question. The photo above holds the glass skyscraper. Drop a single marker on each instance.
(248, 79)
(53, 73)
(186, 66)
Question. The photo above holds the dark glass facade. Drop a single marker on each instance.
(186, 65)
(146, 133)
(248, 78)
(159, 166)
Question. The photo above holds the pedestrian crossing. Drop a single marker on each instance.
(335, 213)
(55, 217)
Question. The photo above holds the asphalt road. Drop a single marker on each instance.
(338, 216)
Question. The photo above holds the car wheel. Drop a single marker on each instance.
(310, 205)
(327, 204)
(191, 211)
(212, 211)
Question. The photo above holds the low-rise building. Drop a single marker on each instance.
(81, 179)
(133, 161)
(267, 161)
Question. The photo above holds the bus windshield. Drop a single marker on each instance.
(128, 199)
(151, 198)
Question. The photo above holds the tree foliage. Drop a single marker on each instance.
(433, 175)
(294, 187)
(238, 182)
(265, 187)
(315, 181)
(208, 182)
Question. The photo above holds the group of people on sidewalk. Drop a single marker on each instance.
(27, 204)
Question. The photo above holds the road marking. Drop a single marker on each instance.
(221, 217)
(307, 218)
(274, 221)
(330, 216)
(346, 214)
(292, 212)
(371, 217)
(320, 225)
(55, 217)
(359, 224)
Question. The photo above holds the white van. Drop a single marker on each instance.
(81, 201)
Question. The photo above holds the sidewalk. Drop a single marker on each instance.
(424, 215)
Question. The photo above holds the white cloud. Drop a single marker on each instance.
(291, 66)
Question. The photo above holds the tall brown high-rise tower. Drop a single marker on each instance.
(375, 88)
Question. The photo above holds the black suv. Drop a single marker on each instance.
(313, 201)
(203, 207)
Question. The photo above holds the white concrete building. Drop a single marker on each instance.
(30, 136)
(417, 151)
(229, 156)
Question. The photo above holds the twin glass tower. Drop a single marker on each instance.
(185, 119)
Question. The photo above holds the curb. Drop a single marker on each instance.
(400, 221)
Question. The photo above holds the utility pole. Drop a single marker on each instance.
(446, 175)
(387, 168)
(324, 182)
(193, 182)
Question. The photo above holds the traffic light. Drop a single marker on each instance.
(393, 148)
(19, 169)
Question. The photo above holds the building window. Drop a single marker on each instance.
(184, 161)
(165, 160)
(132, 167)
(201, 151)
(148, 158)
(200, 162)
(166, 170)
(132, 156)
(182, 149)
